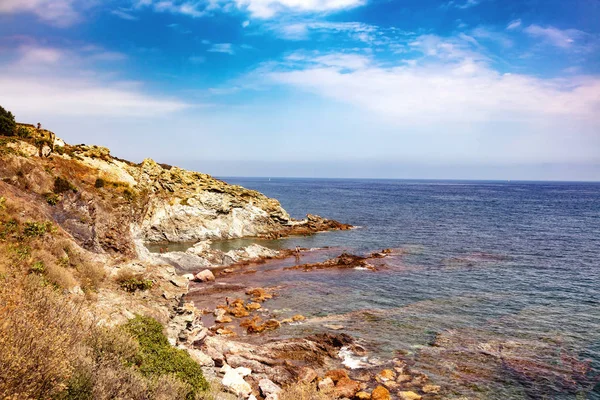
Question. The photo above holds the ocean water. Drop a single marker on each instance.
(493, 290)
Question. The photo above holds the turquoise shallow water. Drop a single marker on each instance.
(496, 293)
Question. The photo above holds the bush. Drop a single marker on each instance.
(160, 358)
(7, 122)
(37, 229)
(132, 282)
(62, 185)
(99, 183)
(51, 198)
(23, 132)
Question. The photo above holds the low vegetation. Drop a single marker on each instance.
(62, 185)
(131, 282)
(7, 122)
(159, 358)
(50, 345)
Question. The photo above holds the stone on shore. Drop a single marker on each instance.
(269, 389)
(435, 389)
(346, 387)
(409, 395)
(362, 396)
(234, 381)
(307, 375)
(326, 385)
(380, 393)
(204, 276)
(385, 375)
(336, 374)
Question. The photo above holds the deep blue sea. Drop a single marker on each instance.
(496, 293)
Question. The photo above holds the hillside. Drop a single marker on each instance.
(87, 311)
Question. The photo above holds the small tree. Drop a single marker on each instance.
(7, 122)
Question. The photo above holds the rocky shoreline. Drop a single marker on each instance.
(103, 210)
(216, 336)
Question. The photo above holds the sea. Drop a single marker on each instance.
(492, 289)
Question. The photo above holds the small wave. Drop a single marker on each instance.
(350, 360)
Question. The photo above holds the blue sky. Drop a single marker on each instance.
(476, 89)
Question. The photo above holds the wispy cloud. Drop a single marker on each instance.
(51, 81)
(124, 13)
(564, 39)
(60, 13)
(302, 30)
(486, 33)
(270, 8)
(222, 48)
(514, 25)
(462, 4)
(449, 85)
(193, 9)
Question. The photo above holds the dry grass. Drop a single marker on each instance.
(40, 331)
(302, 392)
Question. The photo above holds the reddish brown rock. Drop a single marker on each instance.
(346, 387)
(307, 375)
(336, 374)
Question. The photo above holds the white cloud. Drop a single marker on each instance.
(514, 25)
(245, 24)
(193, 9)
(302, 30)
(462, 4)
(448, 90)
(490, 34)
(222, 48)
(47, 81)
(61, 13)
(269, 8)
(124, 14)
(560, 38)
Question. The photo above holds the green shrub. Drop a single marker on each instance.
(37, 229)
(23, 132)
(132, 282)
(62, 185)
(38, 267)
(51, 198)
(129, 195)
(160, 358)
(7, 122)
(99, 183)
(8, 228)
(2, 202)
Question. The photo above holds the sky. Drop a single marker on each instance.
(448, 89)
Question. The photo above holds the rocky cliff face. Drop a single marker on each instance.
(114, 205)
(190, 206)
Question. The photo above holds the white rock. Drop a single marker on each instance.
(269, 388)
(243, 371)
(201, 358)
(189, 277)
(235, 382)
(204, 276)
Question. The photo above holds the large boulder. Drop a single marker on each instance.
(234, 381)
(204, 276)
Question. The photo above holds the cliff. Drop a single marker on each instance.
(114, 205)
